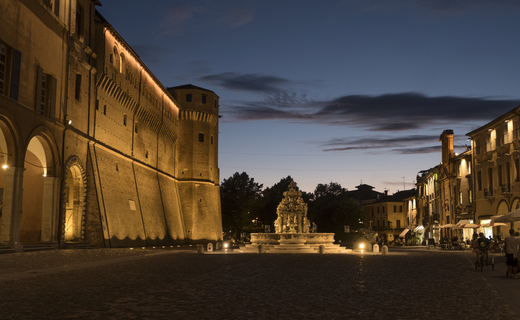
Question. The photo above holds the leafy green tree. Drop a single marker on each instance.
(239, 195)
(332, 209)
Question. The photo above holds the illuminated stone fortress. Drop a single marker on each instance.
(93, 148)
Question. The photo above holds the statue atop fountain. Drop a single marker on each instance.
(292, 231)
(292, 212)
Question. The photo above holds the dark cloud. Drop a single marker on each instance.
(396, 126)
(420, 150)
(251, 82)
(348, 144)
(414, 108)
(265, 113)
(381, 114)
(387, 112)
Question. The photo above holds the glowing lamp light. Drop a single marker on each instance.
(4, 166)
(362, 246)
(226, 245)
(70, 121)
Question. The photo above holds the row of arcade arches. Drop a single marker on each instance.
(41, 200)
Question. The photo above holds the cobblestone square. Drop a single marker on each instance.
(406, 284)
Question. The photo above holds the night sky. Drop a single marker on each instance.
(334, 91)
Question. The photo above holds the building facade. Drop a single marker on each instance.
(496, 163)
(389, 215)
(93, 147)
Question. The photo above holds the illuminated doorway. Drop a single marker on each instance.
(73, 214)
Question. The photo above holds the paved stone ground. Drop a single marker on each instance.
(416, 284)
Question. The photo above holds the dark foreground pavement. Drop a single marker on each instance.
(407, 284)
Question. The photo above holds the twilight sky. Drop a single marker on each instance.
(336, 90)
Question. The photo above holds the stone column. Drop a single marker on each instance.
(12, 210)
(50, 209)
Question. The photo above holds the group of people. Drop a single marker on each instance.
(481, 246)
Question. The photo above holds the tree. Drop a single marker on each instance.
(332, 209)
(239, 196)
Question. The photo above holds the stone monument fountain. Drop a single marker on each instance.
(292, 234)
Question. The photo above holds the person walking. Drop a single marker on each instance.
(511, 248)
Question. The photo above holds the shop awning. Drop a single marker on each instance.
(405, 231)
(510, 217)
(461, 223)
(494, 224)
(449, 225)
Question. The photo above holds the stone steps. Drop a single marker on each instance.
(252, 248)
(37, 247)
(6, 250)
(80, 245)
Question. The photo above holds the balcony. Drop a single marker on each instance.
(506, 188)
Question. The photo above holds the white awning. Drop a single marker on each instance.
(405, 231)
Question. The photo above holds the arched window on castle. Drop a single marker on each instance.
(121, 61)
(113, 61)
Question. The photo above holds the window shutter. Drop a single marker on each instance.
(15, 74)
(52, 98)
(38, 97)
(57, 8)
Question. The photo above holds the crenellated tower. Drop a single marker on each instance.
(196, 156)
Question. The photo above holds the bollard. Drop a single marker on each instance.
(210, 247)
(376, 248)
(322, 249)
(200, 248)
(384, 250)
(259, 248)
